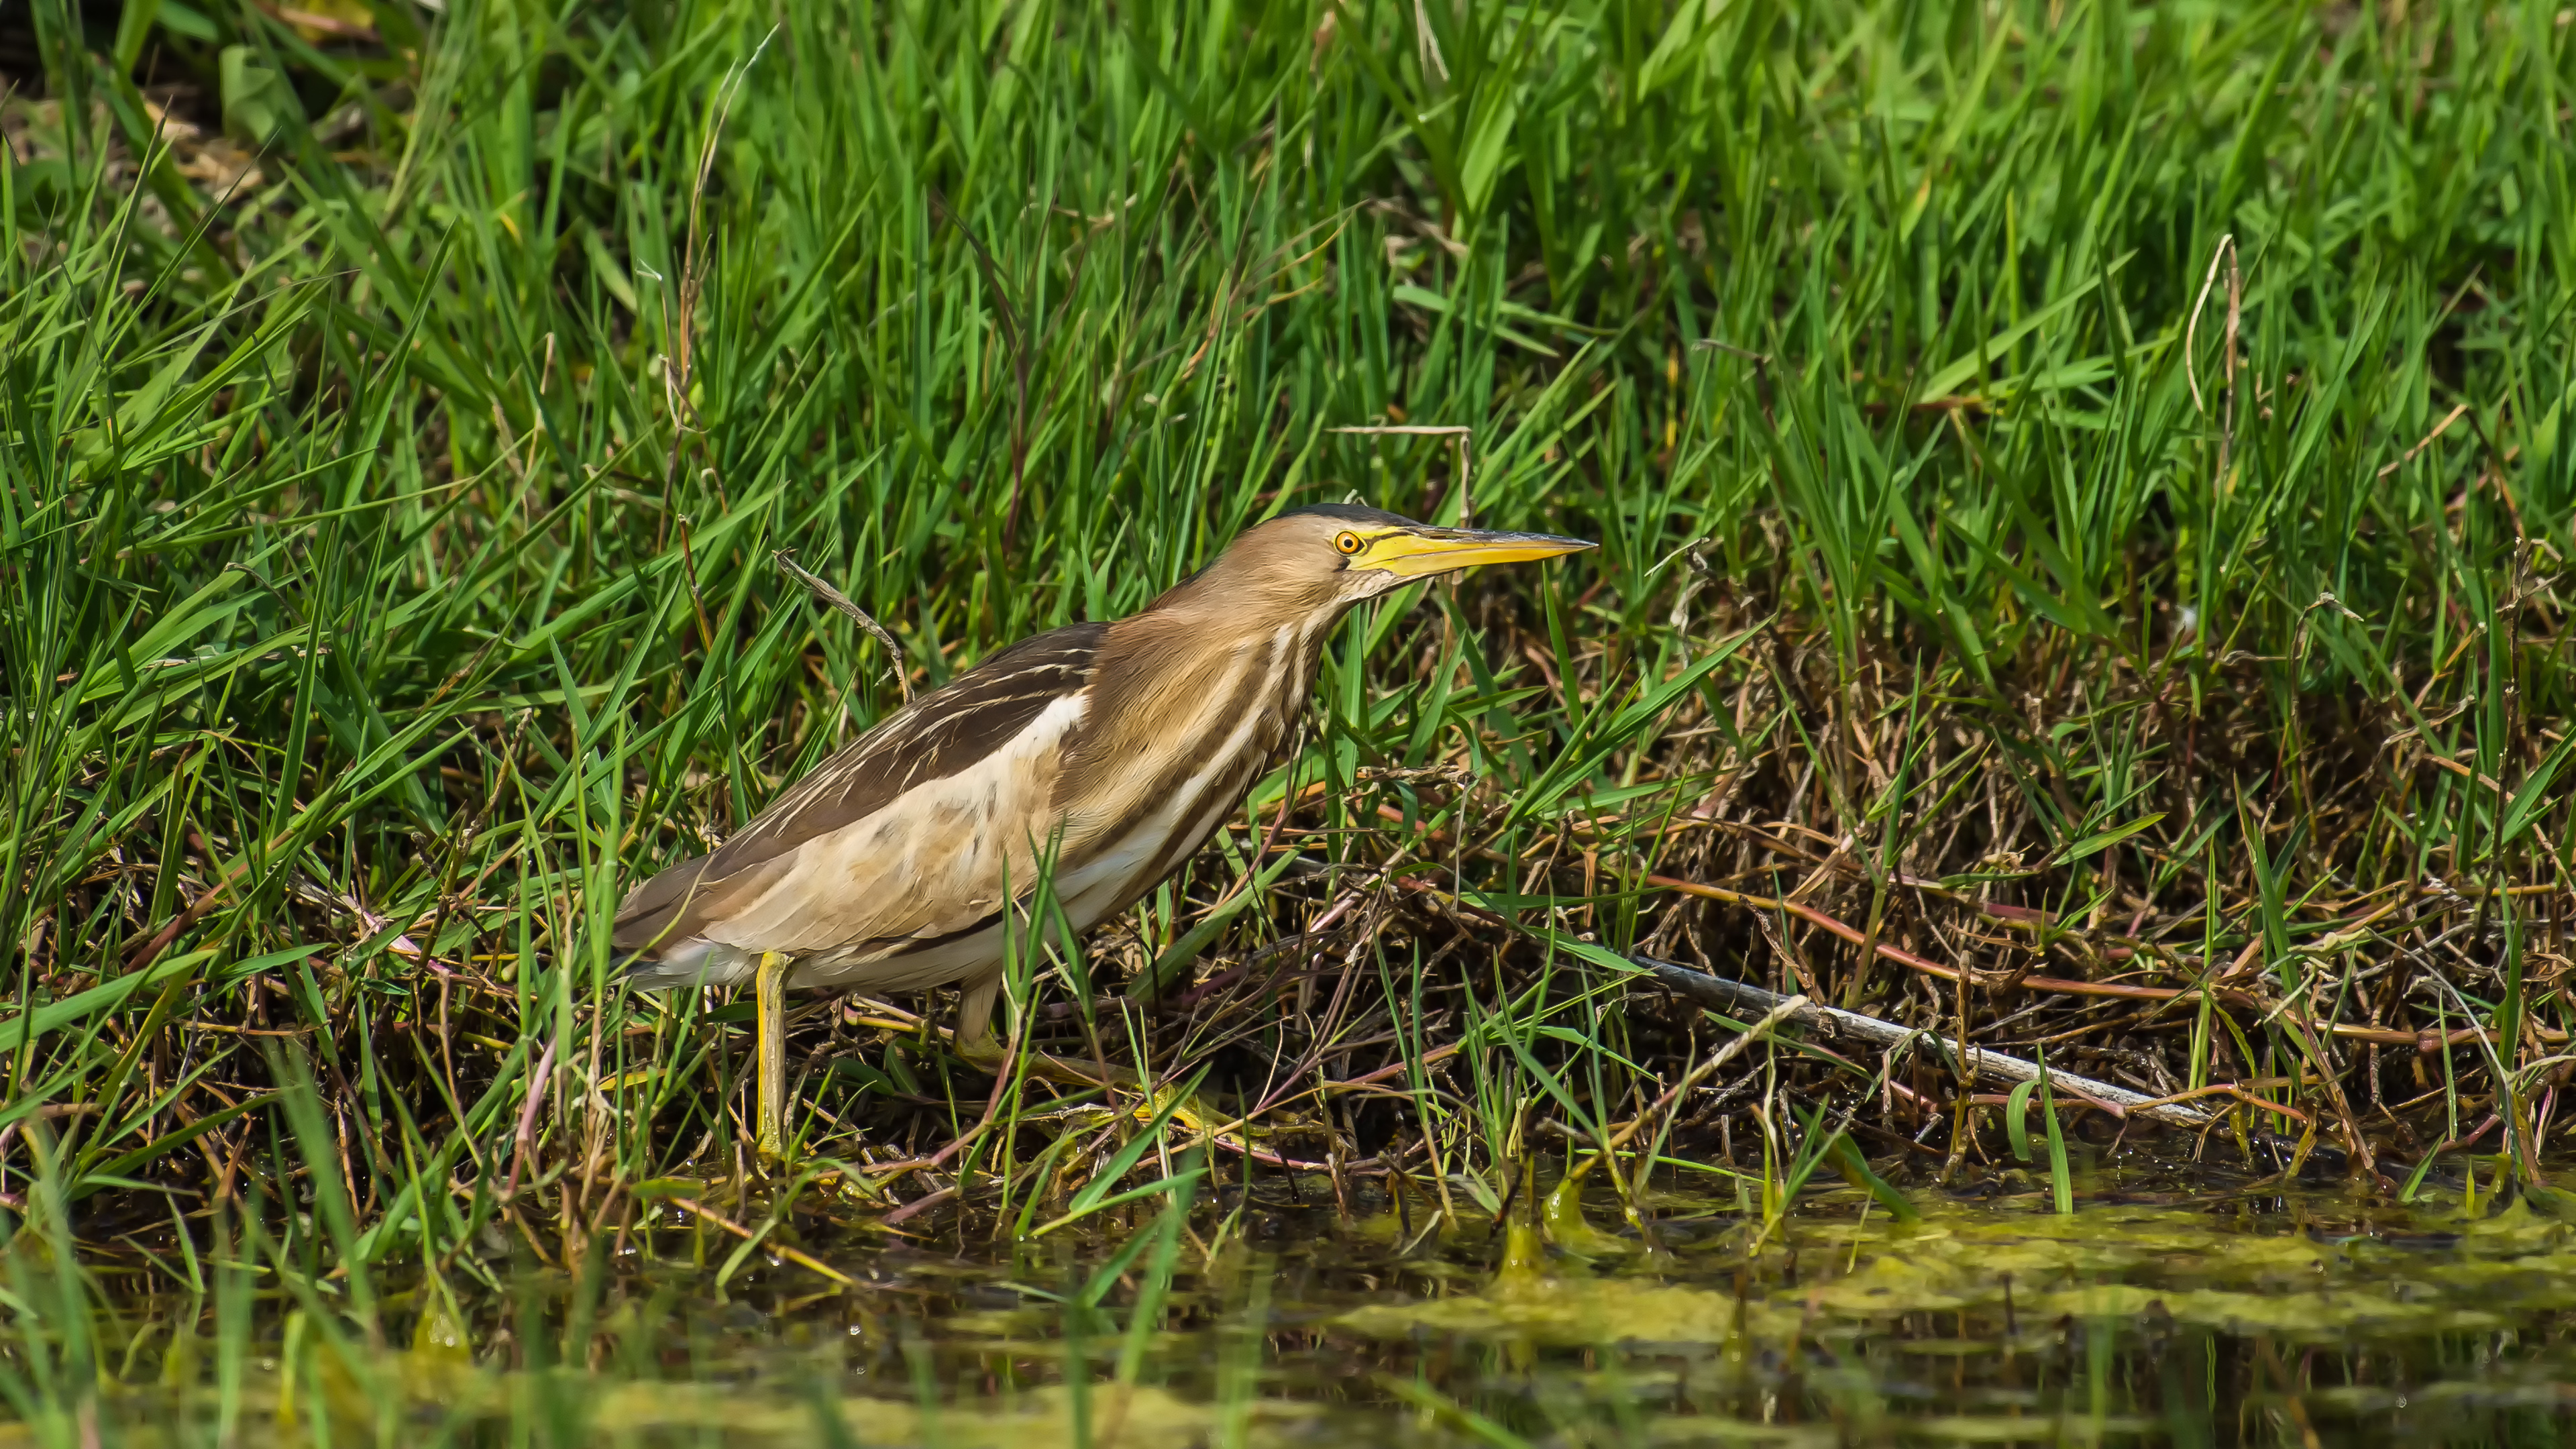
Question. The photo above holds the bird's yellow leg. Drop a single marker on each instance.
(769, 995)
(974, 1036)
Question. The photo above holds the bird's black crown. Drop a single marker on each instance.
(1351, 513)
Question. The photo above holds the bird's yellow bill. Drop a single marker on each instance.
(1420, 553)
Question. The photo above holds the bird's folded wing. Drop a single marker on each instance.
(937, 858)
(911, 830)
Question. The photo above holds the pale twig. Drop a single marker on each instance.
(827, 594)
(527, 1135)
(2191, 329)
(1711, 344)
(2235, 312)
(2439, 429)
(1466, 442)
(1736, 995)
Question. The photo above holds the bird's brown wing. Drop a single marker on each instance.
(942, 735)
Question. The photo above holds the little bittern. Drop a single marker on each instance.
(1115, 749)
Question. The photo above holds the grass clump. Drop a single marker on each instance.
(2082, 494)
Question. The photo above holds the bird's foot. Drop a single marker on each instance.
(987, 1055)
(1191, 1115)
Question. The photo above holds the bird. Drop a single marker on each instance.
(1101, 754)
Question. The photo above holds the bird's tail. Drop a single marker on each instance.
(700, 962)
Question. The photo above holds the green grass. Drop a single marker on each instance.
(392, 482)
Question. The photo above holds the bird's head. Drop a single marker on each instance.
(1331, 556)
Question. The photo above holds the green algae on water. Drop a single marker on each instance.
(2424, 1274)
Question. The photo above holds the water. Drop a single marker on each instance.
(2172, 1307)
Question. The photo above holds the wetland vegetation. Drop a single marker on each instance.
(2082, 490)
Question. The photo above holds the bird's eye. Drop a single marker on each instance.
(1348, 543)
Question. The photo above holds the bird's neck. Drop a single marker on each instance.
(1183, 713)
(1189, 650)
(1190, 687)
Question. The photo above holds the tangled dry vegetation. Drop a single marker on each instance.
(2078, 575)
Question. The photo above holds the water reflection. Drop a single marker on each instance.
(2167, 1309)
